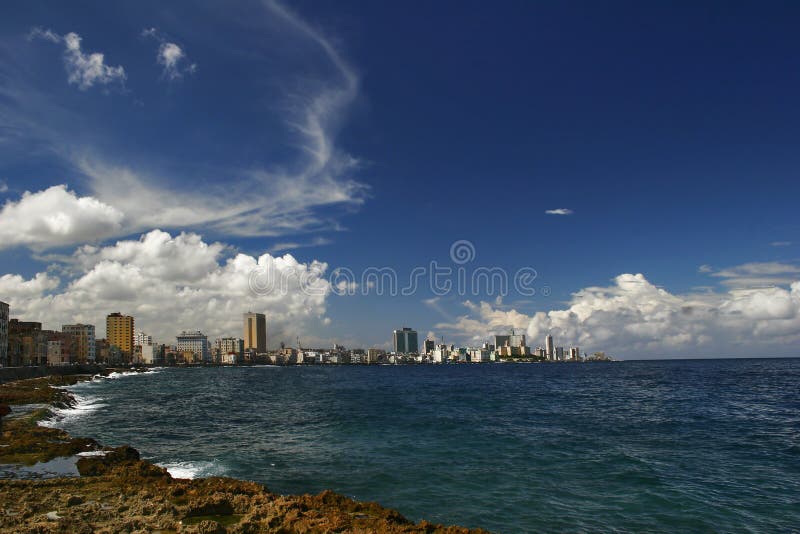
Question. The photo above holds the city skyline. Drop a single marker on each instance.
(651, 213)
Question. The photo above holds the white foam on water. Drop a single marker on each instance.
(93, 453)
(84, 405)
(191, 470)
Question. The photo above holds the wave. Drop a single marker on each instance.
(84, 405)
(196, 469)
(122, 374)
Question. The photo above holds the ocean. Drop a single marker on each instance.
(687, 445)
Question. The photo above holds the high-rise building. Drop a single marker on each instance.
(560, 354)
(574, 353)
(255, 332)
(141, 338)
(501, 341)
(405, 341)
(119, 333)
(548, 347)
(194, 342)
(3, 334)
(429, 345)
(84, 340)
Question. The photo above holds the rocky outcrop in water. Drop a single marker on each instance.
(119, 492)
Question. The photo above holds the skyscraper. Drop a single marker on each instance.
(405, 341)
(119, 332)
(255, 332)
(548, 346)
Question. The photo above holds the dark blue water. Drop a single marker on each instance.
(666, 445)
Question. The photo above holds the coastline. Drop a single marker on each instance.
(114, 490)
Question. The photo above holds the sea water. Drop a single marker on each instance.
(651, 445)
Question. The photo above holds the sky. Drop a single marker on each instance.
(623, 176)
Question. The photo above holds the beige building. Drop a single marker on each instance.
(255, 332)
(85, 341)
(119, 332)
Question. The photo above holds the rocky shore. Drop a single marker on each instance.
(116, 491)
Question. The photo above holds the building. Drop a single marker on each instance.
(574, 353)
(560, 354)
(255, 332)
(479, 355)
(501, 341)
(548, 347)
(194, 343)
(229, 349)
(3, 334)
(373, 355)
(440, 354)
(85, 340)
(61, 348)
(119, 333)
(27, 343)
(141, 338)
(428, 346)
(405, 341)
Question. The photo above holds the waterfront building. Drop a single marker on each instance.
(548, 346)
(574, 353)
(27, 343)
(373, 355)
(229, 349)
(148, 354)
(501, 341)
(255, 332)
(86, 350)
(61, 348)
(141, 338)
(119, 333)
(405, 341)
(479, 355)
(3, 334)
(539, 352)
(428, 345)
(560, 354)
(440, 354)
(196, 343)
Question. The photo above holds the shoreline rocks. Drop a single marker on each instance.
(119, 492)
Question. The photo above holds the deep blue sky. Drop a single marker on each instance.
(668, 128)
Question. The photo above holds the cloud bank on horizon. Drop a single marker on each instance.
(633, 317)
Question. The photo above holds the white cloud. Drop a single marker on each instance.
(170, 283)
(306, 192)
(171, 56)
(83, 70)
(559, 211)
(634, 318)
(781, 243)
(757, 274)
(55, 217)
(3, 186)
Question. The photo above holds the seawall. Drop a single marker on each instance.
(9, 374)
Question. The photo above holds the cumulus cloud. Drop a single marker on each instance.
(559, 211)
(56, 216)
(84, 70)
(634, 318)
(170, 283)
